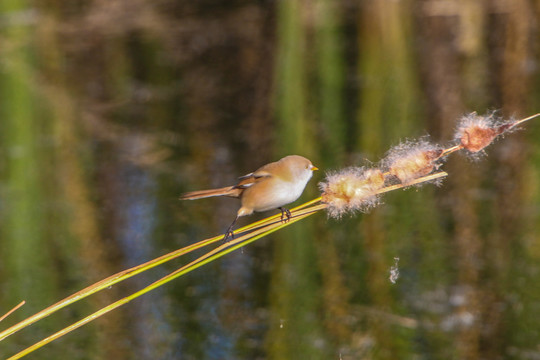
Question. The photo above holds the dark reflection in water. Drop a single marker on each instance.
(111, 109)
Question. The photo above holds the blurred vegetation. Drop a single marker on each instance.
(110, 109)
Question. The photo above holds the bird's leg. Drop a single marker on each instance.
(230, 233)
(285, 213)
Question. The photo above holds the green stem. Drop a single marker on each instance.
(205, 259)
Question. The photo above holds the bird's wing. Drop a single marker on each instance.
(252, 178)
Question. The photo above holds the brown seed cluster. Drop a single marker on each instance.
(476, 132)
(410, 161)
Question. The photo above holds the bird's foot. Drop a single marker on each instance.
(229, 235)
(285, 214)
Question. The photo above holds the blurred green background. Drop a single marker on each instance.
(109, 109)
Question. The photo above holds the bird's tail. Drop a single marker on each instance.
(231, 191)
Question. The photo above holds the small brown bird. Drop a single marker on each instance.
(270, 187)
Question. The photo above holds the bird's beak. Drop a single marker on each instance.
(313, 168)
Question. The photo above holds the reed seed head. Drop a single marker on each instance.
(351, 189)
(409, 161)
(475, 132)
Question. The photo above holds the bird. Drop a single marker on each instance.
(269, 187)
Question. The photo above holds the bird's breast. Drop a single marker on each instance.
(271, 194)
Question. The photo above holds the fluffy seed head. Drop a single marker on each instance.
(351, 189)
(475, 132)
(409, 161)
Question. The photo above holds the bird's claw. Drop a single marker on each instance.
(285, 214)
